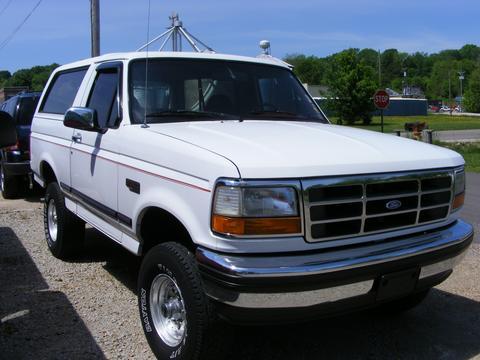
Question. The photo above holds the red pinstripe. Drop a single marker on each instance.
(133, 168)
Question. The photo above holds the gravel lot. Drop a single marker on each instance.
(86, 309)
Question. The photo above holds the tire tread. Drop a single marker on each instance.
(185, 260)
(71, 229)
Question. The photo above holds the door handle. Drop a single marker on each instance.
(77, 138)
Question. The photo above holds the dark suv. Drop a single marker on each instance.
(15, 160)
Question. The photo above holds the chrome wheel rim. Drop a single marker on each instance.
(52, 220)
(168, 310)
(2, 179)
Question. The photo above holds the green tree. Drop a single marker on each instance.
(39, 80)
(352, 86)
(309, 69)
(442, 78)
(471, 100)
(41, 75)
(370, 57)
(418, 66)
(470, 52)
(21, 77)
(4, 76)
(391, 67)
(450, 54)
(35, 78)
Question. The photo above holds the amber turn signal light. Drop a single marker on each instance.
(256, 226)
(458, 201)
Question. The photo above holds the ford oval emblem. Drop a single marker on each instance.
(393, 205)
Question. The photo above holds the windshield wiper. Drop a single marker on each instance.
(277, 113)
(189, 114)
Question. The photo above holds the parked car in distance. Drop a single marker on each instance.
(243, 200)
(15, 160)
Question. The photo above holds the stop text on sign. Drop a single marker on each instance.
(381, 99)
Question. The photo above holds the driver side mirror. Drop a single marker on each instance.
(8, 132)
(83, 119)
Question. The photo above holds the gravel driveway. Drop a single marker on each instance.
(86, 309)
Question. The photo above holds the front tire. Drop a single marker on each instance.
(64, 231)
(172, 302)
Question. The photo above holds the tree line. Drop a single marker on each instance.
(353, 75)
(34, 78)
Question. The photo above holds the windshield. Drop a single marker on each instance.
(186, 90)
(26, 109)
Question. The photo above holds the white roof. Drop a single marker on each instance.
(171, 54)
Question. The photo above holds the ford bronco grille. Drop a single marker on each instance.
(361, 205)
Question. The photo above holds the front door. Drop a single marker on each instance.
(94, 171)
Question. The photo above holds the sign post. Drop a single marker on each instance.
(381, 99)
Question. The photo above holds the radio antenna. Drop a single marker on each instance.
(145, 92)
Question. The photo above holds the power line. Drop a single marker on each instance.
(6, 6)
(14, 32)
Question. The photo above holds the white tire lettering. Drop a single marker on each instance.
(143, 304)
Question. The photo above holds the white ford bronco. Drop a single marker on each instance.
(223, 174)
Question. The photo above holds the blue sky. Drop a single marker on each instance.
(59, 30)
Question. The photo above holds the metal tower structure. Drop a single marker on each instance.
(177, 34)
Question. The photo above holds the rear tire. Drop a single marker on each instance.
(8, 184)
(173, 306)
(64, 231)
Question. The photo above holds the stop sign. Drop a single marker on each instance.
(381, 99)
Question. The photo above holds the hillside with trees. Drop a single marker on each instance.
(435, 74)
(35, 78)
(353, 75)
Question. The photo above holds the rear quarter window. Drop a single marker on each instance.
(62, 91)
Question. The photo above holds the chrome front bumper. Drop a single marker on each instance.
(298, 281)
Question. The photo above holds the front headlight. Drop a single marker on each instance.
(247, 210)
(459, 193)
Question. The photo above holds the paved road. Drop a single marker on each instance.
(471, 210)
(457, 135)
(457, 114)
(86, 309)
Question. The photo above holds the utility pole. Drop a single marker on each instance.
(95, 26)
(449, 89)
(379, 70)
(461, 77)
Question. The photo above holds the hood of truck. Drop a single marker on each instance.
(288, 149)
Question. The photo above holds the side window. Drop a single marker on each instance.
(62, 91)
(104, 99)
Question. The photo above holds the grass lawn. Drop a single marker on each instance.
(469, 151)
(435, 122)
